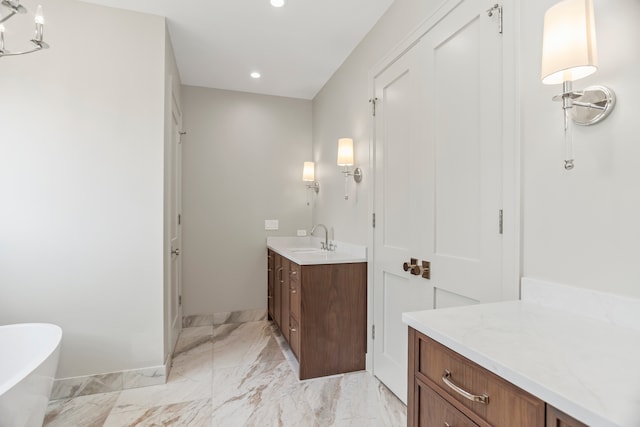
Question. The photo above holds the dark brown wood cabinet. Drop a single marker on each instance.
(321, 311)
(471, 395)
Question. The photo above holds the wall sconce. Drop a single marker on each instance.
(569, 53)
(309, 175)
(345, 158)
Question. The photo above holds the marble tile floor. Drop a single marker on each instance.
(236, 375)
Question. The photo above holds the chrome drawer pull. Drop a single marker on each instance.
(472, 397)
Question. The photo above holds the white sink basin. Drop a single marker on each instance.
(304, 250)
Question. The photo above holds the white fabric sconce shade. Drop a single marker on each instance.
(309, 175)
(569, 49)
(308, 172)
(345, 152)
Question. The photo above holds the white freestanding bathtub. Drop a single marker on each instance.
(28, 363)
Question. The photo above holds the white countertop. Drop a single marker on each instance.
(306, 251)
(585, 364)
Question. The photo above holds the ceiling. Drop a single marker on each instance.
(296, 48)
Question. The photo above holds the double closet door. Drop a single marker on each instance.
(438, 149)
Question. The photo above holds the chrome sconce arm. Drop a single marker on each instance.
(356, 174)
(315, 186)
(584, 108)
(589, 106)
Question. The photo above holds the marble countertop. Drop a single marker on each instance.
(306, 251)
(585, 364)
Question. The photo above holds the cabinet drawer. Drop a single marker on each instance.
(496, 401)
(437, 412)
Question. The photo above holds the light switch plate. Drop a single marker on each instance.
(302, 233)
(271, 224)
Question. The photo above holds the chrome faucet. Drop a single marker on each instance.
(323, 245)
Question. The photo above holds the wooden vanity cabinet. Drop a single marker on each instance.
(432, 366)
(321, 311)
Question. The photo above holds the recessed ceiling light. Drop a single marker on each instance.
(277, 3)
(255, 75)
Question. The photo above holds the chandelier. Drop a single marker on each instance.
(14, 7)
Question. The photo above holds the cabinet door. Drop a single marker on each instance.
(294, 291)
(294, 337)
(434, 411)
(270, 275)
(333, 319)
(277, 289)
(557, 418)
(284, 307)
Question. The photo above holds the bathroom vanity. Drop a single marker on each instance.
(560, 357)
(318, 300)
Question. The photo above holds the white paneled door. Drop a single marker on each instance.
(438, 179)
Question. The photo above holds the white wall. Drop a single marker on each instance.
(581, 227)
(242, 164)
(81, 184)
(342, 109)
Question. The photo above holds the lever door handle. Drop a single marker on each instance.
(175, 251)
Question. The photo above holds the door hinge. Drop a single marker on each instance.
(373, 221)
(500, 221)
(373, 332)
(179, 219)
(496, 8)
(373, 103)
(179, 299)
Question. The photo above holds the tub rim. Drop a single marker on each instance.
(33, 364)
